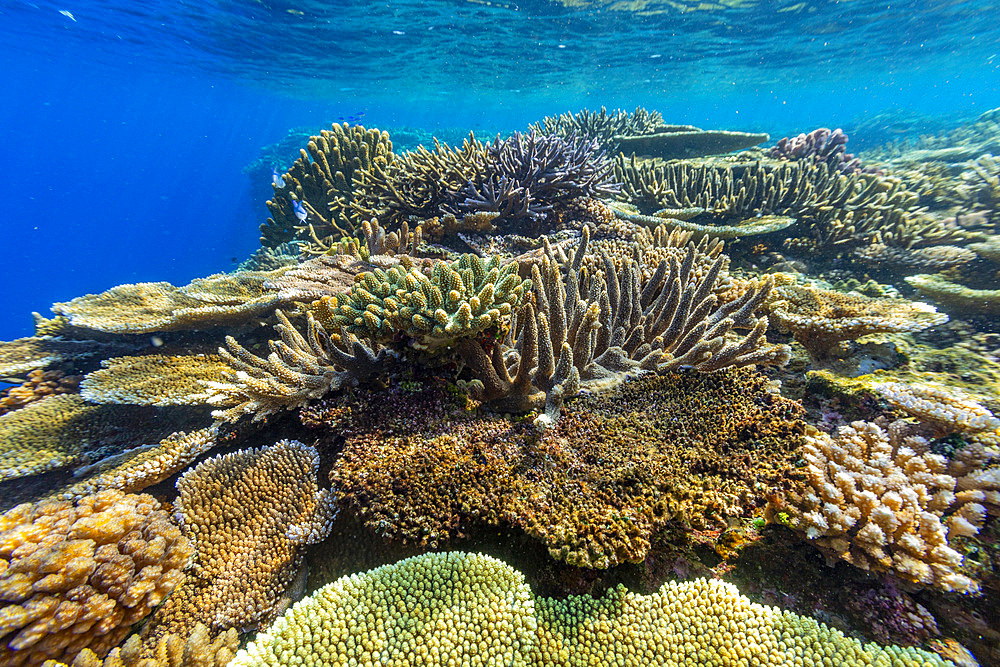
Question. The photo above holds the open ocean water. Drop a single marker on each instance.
(853, 481)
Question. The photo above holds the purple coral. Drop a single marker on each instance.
(527, 175)
(821, 146)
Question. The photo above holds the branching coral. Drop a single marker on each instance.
(199, 649)
(885, 503)
(823, 319)
(693, 448)
(249, 515)
(949, 409)
(601, 126)
(78, 575)
(322, 182)
(475, 610)
(300, 368)
(821, 146)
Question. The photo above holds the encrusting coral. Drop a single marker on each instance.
(249, 515)
(823, 319)
(694, 448)
(881, 501)
(472, 609)
(76, 575)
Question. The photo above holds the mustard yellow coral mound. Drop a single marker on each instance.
(78, 575)
(471, 609)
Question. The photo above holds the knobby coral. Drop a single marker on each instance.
(470, 609)
(38, 385)
(821, 146)
(949, 409)
(76, 575)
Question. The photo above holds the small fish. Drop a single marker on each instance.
(300, 210)
(276, 178)
(68, 14)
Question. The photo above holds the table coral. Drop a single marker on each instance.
(933, 258)
(471, 609)
(153, 379)
(680, 142)
(823, 319)
(694, 448)
(78, 574)
(887, 504)
(956, 297)
(20, 357)
(249, 515)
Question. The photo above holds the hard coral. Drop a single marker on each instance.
(199, 649)
(77, 575)
(600, 126)
(820, 146)
(474, 610)
(153, 379)
(249, 515)
(39, 384)
(694, 448)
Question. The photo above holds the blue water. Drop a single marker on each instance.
(124, 126)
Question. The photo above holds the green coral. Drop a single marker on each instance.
(956, 297)
(459, 299)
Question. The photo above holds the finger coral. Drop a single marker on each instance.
(198, 649)
(886, 504)
(471, 609)
(299, 368)
(322, 182)
(77, 575)
(154, 379)
(823, 319)
(693, 448)
(249, 515)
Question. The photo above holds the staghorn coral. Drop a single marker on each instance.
(956, 297)
(933, 258)
(135, 469)
(831, 208)
(198, 649)
(601, 126)
(693, 448)
(475, 610)
(218, 300)
(322, 181)
(249, 515)
(300, 368)
(823, 319)
(459, 299)
(78, 575)
(948, 408)
(821, 146)
(154, 379)
(882, 502)
(39, 384)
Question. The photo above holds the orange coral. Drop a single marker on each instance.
(39, 385)
(78, 575)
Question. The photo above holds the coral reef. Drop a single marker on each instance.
(681, 142)
(78, 575)
(932, 258)
(479, 611)
(823, 319)
(153, 379)
(821, 146)
(249, 515)
(20, 357)
(321, 182)
(949, 409)
(956, 297)
(693, 448)
(39, 385)
(881, 501)
(601, 126)
(198, 649)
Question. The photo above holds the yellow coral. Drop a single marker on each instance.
(78, 575)
(471, 609)
(153, 379)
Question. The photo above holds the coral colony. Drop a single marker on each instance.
(566, 397)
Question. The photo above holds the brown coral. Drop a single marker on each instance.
(78, 575)
(249, 514)
(40, 384)
(21, 356)
(691, 447)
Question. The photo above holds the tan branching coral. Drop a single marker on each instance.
(198, 649)
(602, 125)
(476, 610)
(886, 504)
(322, 182)
(823, 319)
(39, 384)
(300, 368)
(153, 379)
(949, 409)
(218, 300)
(135, 469)
(78, 575)
(249, 515)
(956, 297)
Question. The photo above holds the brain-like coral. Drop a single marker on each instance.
(249, 515)
(693, 448)
(76, 575)
(470, 609)
(884, 502)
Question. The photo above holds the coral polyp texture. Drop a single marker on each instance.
(153, 379)
(249, 515)
(821, 146)
(884, 502)
(77, 575)
(950, 409)
(823, 319)
(692, 448)
(471, 609)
